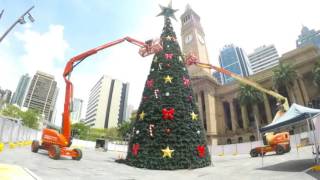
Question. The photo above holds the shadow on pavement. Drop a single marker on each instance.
(290, 166)
(314, 174)
(45, 153)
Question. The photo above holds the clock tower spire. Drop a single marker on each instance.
(193, 38)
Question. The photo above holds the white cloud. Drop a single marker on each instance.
(43, 50)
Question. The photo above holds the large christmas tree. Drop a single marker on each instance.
(168, 133)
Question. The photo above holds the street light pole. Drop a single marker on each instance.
(19, 20)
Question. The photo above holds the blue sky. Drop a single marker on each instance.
(65, 28)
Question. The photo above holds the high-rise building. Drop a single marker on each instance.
(5, 95)
(193, 39)
(76, 110)
(234, 59)
(218, 76)
(42, 94)
(308, 37)
(107, 105)
(263, 58)
(21, 91)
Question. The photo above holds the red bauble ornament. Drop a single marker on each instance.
(135, 149)
(167, 114)
(189, 98)
(168, 56)
(201, 151)
(150, 83)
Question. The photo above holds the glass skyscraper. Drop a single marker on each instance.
(234, 59)
(308, 37)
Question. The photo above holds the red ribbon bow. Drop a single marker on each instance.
(201, 151)
(167, 114)
(168, 56)
(186, 82)
(135, 149)
(150, 83)
(191, 59)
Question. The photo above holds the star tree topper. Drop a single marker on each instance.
(168, 11)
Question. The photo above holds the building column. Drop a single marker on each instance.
(244, 114)
(234, 118)
(256, 114)
(210, 113)
(267, 108)
(304, 91)
(297, 93)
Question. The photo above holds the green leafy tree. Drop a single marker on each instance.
(316, 74)
(249, 96)
(125, 129)
(80, 130)
(30, 118)
(11, 111)
(284, 77)
(168, 133)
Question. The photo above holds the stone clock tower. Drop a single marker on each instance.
(193, 39)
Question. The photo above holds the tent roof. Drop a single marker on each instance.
(295, 114)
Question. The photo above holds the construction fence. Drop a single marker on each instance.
(12, 131)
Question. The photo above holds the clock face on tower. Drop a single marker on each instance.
(188, 38)
(200, 38)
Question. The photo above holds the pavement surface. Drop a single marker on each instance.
(101, 165)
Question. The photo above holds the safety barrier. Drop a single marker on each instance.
(13, 134)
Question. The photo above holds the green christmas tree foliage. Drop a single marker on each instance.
(168, 133)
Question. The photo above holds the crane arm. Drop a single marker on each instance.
(146, 49)
(192, 59)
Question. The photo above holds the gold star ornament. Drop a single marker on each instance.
(168, 79)
(194, 116)
(141, 115)
(167, 152)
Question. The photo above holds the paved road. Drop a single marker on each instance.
(100, 165)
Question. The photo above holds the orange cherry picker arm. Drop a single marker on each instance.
(146, 49)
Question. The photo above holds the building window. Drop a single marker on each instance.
(229, 141)
(252, 138)
(227, 115)
(240, 140)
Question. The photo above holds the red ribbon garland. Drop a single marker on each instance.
(167, 114)
(201, 151)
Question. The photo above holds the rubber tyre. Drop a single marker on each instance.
(35, 146)
(254, 153)
(280, 150)
(79, 154)
(54, 152)
(289, 149)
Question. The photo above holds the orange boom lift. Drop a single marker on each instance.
(59, 144)
(280, 142)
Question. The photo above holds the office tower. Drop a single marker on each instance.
(42, 94)
(107, 103)
(76, 110)
(263, 58)
(234, 59)
(21, 90)
(308, 37)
